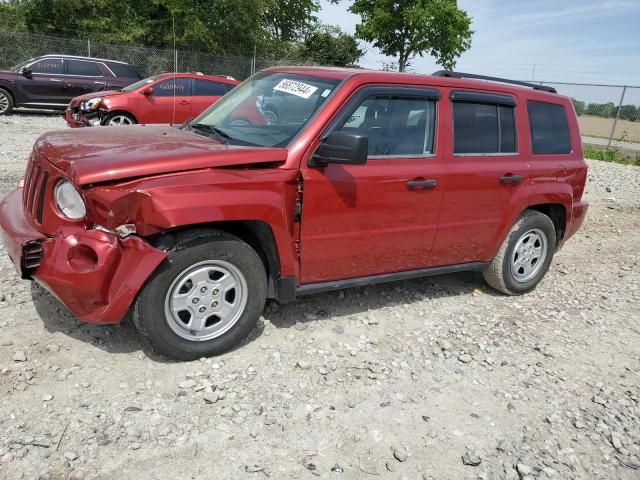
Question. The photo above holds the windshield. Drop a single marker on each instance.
(140, 83)
(267, 110)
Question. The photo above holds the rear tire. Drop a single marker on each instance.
(204, 299)
(6, 102)
(525, 255)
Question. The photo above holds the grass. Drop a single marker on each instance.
(611, 155)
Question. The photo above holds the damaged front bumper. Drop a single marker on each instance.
(94, 273)
(76, 118)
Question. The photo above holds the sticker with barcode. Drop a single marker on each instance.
(293, 87)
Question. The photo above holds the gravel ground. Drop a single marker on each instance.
(426, 379)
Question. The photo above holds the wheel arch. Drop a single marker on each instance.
(9, 90)
(257, 234)
(558, 214)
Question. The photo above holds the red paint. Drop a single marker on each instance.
(356, 220)
(145, 106)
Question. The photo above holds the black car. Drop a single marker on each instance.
(51, 81)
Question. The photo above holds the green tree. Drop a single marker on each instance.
(579, 106)
(329, 45)
(406, 28)
(288, 20)
(629, 112)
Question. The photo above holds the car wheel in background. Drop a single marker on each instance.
(6, 102)
(118, 120)
(240, 122)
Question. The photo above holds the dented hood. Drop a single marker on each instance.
(104, 154)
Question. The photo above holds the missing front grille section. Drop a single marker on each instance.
(41, 196)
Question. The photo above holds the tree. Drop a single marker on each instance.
(629, 112)
(579, 106)
(406, 28)
(329, 45)
(288, 20)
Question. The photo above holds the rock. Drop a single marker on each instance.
(307, 461)
(300, 326)
(156, 419)
(7, 457)
(523, 469)
(368, 465)
(5, 342)
(599, 400)
(188, 383)
(337, 468)
(71, 456)
(400, 454)
(268, 420)
(212, 397)
(615, 441)
(47, 397)
(471, 459)
(465, 358)
(254, 468)
(303, 364)
(132, 408)
(20, 356)
(339, 329)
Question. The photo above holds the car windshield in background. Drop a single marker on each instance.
(268, 109)
(140, 83)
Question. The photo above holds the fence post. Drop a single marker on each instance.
(624, 90)
(88, 47)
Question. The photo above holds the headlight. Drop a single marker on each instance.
(91, 104)
(69, 201)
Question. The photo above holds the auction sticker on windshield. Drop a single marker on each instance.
(299, 89)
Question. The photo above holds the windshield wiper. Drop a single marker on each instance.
(226, 138)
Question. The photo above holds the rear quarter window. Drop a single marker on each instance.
(207, 88)
(549, 128)
(123, 70)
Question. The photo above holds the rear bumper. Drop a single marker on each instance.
(578, 214)
(95, 274)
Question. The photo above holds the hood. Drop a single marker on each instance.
(95, 155)
(87, 96)
(8, 75)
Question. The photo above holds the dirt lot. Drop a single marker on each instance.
(626, 131)
(438, 378)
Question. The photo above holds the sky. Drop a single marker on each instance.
(582, 41)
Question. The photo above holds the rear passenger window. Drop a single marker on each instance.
(482, 128)
(205, 88)
(549, 128)
(395, 126)
(85, 69)
(123, 70)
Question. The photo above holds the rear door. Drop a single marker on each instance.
(381, 217)
(170, 102)
(485, 175)
(44, 85)
(205, 93)
(83, 76)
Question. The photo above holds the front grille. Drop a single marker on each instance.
(32, 255)
(35, 185)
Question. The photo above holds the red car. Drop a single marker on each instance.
(166, 98)
(350, 177)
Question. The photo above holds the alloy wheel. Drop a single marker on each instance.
(528, 255)
(119, 120)
(206, 300)
(4, 103)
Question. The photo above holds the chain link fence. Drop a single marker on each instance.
(16, 47)
(609, 115)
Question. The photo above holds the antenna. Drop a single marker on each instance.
(175, 69)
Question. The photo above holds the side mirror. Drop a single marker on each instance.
(147, 91)
(341, 147)
(26, 72)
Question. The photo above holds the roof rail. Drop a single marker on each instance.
(448, 73)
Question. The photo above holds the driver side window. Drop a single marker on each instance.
(50, 66)
(395, 125)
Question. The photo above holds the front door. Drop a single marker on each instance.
(485, 174)
(170, 102)
(380, 217)
(45, 83)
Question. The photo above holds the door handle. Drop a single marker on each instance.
(428, 184)
(510, 179)
(184, 102)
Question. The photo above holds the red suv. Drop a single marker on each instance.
(166, 98)
(387, 176)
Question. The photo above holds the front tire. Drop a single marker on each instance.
(119, 119)
(6, 102)
(525, 255)
(205, 299)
